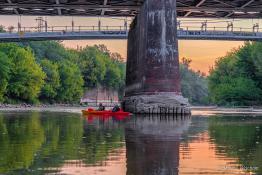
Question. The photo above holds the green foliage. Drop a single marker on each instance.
(4, 74)
(193, 84)
(112, 76)
(100, 67)
(236, 91)
(59, 73)
(72, 82)
(92, 63)
(26, 76)
(2, 30)
(236, 78)
(50, 50)
(52, 80)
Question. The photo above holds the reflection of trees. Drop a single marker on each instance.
(98, 143)
(33, 141)
(238, 137)
(198, 125)
(20, 139)
(63, 135)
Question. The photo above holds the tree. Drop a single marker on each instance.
(72, 82)
(48, 68)
(116, 57)
(103, 49)
(4, 74)
(92, 65)
(236, 78)
(11, 29)
(193, 84)
(112, 77)
(52, 80)
(236, 91)
(2, 29)
(51, 50)
(26, 76)
(186, 62)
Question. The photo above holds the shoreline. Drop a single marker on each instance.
(205, 111)
(70, 108)
(44, 109)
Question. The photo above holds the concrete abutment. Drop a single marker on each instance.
(153, 80)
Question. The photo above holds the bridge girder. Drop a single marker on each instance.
(185, 8)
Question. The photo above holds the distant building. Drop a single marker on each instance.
(100, 95)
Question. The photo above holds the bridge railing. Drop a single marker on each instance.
(120, 32)
(215, 28)
(86, 28)
(67, 29)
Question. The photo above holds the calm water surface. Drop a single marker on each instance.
(64, 143)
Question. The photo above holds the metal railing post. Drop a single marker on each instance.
(99, 25)
(19, 27)
(204, 26)
(125, 25)
(45, 26)
(73, 25)
(230, 26)
(255, 27)
(179, 24)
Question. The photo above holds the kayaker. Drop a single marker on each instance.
(116, 108)
(101, 107)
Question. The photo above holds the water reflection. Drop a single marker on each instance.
(153, 144)
(48, 142)
(238, 137)
(63, 143)
(20, 139)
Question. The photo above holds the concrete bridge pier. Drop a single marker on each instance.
(153, 80)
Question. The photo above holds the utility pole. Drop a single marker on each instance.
(41, 23)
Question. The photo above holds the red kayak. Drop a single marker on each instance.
(106, 112)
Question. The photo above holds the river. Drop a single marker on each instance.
(69, 143)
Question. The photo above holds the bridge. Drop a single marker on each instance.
(185, 31)
(152, 76)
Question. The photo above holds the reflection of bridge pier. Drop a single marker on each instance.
(152, 144)
(153, 80)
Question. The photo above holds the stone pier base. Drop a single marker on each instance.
(164, 103)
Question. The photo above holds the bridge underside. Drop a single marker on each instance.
(185, 8)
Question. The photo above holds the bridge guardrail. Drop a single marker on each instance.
(80, 28)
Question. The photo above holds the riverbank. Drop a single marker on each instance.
(73, 108)
(213, 110)
(41, 109)
(196, 110)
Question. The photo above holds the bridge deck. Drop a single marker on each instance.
(105, 35)
(185, 8)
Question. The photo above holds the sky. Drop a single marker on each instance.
(202, 53)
